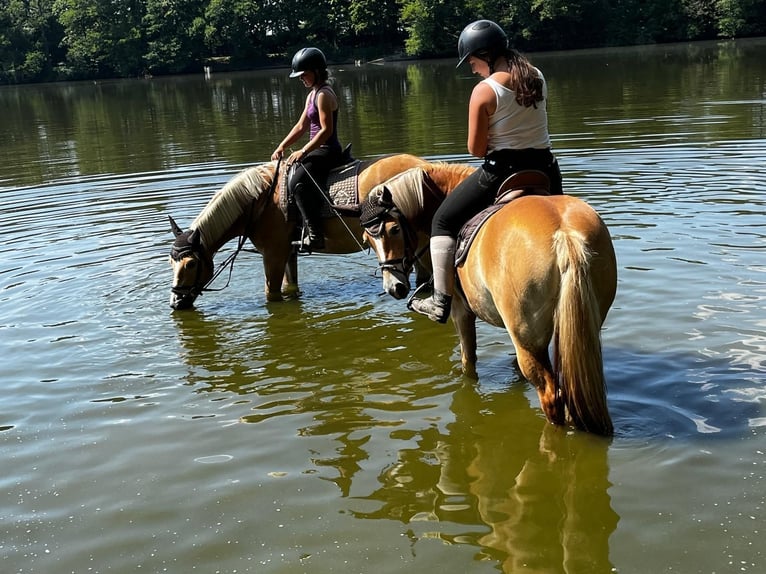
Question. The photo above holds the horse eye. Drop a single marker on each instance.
(395, 230)
(191, 264)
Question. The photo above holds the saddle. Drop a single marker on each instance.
(519, 184)
(341, 187)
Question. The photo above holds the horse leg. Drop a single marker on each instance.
(465, 325)
(274, 268)
(536, 368)
(290, 281)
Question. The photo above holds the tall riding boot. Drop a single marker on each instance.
(437, 307)
(312, 236)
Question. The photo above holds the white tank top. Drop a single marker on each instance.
(514, 126)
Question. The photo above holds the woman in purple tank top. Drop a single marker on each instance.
(310, 165)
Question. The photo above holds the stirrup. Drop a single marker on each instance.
(306, 245)
(428, 285)
(437, 307)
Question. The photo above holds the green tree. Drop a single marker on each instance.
(174, 31)
(433, 26)
(103, 37)
(700, 20)
(375, 25)
(29, 38)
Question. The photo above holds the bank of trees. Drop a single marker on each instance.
(43, 40)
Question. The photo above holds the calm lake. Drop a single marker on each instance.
(335, 433)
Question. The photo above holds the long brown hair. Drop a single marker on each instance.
(525, 79)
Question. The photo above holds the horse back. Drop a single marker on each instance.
(374, 172)
(512, 268)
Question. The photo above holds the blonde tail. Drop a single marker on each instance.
(577, 338)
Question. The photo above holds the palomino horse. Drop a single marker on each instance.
(543, 267)
(248, 206)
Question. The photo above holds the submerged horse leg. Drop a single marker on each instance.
(275, 269)
(465, 325)
(290, 281)
(536, 368)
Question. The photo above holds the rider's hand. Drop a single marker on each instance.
(296, 156)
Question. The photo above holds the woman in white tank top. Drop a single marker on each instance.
(508, 128)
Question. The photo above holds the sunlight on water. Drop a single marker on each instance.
(684, 352)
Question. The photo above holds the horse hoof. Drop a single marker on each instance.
(272, 297)
(291, 292)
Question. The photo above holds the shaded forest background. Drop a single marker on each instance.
(50, 40)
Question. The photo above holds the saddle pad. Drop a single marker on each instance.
(341, 186)
(469, 231)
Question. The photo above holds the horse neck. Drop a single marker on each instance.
(447, 176)
(234, 207)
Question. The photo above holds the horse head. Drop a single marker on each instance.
(392, 237)
(192, 267)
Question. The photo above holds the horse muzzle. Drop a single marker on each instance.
(182, 299)
(395, 282)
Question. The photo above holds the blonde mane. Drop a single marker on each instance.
(406, 191)
(410, 189)
(230, 202)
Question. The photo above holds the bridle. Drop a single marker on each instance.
(177, 254)
(375, 227)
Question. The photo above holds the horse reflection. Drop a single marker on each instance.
(539, 493)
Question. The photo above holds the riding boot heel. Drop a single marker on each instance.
(437, 307)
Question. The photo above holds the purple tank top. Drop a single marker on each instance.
(315, 126)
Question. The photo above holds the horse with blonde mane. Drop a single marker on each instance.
(251, 206)
(543, 267)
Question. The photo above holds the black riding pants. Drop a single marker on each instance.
(309, 177)
(479, 189)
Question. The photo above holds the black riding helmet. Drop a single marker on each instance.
(308, 59)
(481, 36)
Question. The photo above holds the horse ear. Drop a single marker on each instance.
(195, 238)
(174, 227)
(386, 197)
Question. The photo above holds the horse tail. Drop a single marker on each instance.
(577, 359)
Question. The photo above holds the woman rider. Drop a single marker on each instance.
(312, 163)
(508, 128)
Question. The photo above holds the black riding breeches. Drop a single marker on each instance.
(479, 189)
(312, 171)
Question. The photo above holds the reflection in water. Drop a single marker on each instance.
(498, 476)
(650, 95)
(534, 501)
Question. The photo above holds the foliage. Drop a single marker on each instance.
(42, 40)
